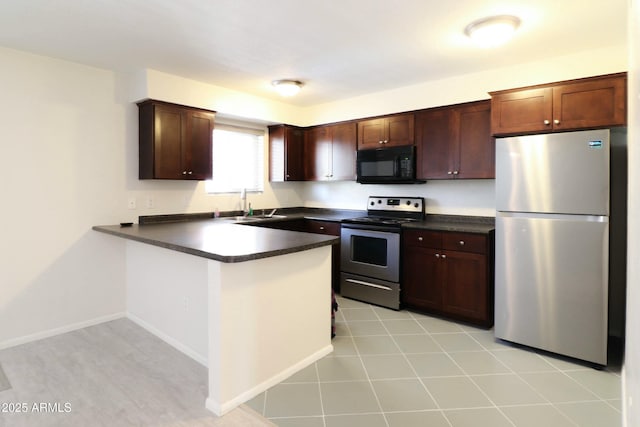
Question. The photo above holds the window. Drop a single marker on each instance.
(238, 159)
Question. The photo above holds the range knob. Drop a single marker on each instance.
(416, 205)
(372, 203)
(408, 202)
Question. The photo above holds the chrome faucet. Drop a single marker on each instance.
(243, 197)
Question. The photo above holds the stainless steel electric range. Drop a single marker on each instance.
(370, 250)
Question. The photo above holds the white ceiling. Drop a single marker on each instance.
(339, 48)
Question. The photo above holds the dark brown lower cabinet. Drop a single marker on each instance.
(449, 274)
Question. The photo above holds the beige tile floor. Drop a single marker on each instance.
(403, 369)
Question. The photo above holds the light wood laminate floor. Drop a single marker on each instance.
(112, 374)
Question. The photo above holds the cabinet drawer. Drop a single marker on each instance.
(323, 227)
(464, 242)
(423, 238)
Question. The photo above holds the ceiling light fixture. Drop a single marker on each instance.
(287, 87)
(492, 31)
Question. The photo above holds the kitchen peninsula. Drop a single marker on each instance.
(250, 303)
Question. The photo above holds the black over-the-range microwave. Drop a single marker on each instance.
(391, 165)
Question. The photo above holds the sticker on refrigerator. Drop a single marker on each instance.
(595, 144)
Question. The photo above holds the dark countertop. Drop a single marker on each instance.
(320, 214)
(463, 224)
(220, 239)
(223, 239)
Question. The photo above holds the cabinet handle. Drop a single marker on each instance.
(386, 141)
(449, 173)
(443, 256)
(287, 176)
(184, 172)
(461, 242)
(456, 172)
(437, 255)
(322, 228)
(547, 122)
(420, 239)
(380, 142)
(190, 172)
(556, 122)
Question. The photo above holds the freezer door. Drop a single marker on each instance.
(551, 288)
(554, 173)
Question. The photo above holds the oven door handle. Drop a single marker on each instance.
(372, 285)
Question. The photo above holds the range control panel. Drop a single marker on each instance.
(404, 205)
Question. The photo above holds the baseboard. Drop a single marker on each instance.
(58, 331)
(201, 359)
(221, 408)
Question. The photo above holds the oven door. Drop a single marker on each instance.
(370, 253)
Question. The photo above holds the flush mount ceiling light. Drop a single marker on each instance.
(287, 87)
(492, 31)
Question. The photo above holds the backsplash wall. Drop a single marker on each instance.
(474, 197)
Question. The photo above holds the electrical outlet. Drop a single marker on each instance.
(131, 203)
(151, 203)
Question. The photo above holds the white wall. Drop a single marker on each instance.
(471, 87)
(62, 171)
(465, 197)
(631, 374)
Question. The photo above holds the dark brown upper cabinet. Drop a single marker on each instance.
(330, 152)
(589, 103)
(455, 142)
(174, 141)
(286, 161)
(386, 131)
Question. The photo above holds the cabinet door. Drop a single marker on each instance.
(169, 137)
(475, 158)
(174, 141)
(294, 154)
(343, 151)
(285, 154)
(597, 103)
(400, 130)
(197, 155)
(317, 154)
(521, 111)
(371, 133)
(465, 285)
(433, 140)
(422, 279)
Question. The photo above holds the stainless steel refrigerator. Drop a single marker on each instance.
(553, 252)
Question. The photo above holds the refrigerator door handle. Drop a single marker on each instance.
(568, 217)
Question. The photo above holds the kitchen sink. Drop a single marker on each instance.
(254, 218)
